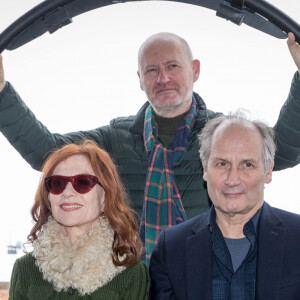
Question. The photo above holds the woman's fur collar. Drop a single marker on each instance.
(84, 265)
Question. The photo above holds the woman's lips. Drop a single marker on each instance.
(70, 206)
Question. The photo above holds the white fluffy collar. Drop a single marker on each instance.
(84, 265)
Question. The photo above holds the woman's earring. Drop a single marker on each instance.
(102, 215)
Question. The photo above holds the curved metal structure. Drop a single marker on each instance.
(50, 15)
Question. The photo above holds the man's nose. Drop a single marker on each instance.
(163, 76)
(233, 178)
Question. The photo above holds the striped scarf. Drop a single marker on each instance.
(162, 202)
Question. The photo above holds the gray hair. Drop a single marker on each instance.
(267, 134)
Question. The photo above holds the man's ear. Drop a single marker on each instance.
(196, 69)
(141, 85)
(268, 175)
(204, 173)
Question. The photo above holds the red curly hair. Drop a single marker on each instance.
(119, 215)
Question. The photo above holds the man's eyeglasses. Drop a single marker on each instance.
(82, 183)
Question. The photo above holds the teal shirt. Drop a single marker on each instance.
(27, 283)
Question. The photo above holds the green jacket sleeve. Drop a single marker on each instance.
(30, 137)
(139, 283)
(287, 130)
(15, 288)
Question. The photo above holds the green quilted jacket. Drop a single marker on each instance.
(123, 139)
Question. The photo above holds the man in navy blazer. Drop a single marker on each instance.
(242, 248)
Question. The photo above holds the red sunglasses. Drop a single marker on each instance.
(82, 183)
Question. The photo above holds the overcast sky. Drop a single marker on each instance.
(84, 75)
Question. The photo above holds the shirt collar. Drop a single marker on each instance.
(254, 220)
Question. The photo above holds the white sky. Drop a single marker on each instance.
(85, 74)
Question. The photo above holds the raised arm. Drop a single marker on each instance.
(287, 127)
(27, 134)
(294, 50)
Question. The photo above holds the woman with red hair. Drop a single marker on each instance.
(85, 238)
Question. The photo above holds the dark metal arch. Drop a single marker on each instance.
(50, 15)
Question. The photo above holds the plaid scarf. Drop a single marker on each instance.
(162, 202)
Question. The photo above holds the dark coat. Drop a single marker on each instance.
(181, 262)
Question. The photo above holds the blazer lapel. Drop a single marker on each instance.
(199, 263)
(271, 236)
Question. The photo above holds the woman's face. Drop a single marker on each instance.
(76, 212)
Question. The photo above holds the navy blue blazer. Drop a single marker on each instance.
(181, 262)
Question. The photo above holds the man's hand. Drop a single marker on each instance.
(2, 80)
(295, 50)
